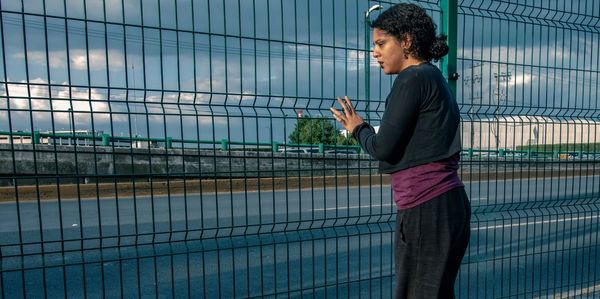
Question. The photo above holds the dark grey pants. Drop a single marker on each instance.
(431, 240)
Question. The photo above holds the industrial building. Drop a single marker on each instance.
(510, 132)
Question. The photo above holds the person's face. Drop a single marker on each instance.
(388, 51)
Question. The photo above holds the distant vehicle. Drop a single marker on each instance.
(569, 155)
(489, 154)
(513, 154)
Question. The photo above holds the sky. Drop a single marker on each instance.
(242, 69)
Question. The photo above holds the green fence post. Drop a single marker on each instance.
(470, 153)
(501, 152)
(169, 143)
(105, 140)
(449, 28)
(275, 146)
(224, 144)
(321, 148)
(35, 137)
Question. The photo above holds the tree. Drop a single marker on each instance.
(346, 140)
(316, 130)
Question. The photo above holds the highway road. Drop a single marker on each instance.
(530, 238)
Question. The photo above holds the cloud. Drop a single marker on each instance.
(514, 55)
(63, 98)
(78, 59)
(520, 79)
(39, 57)
(97, 60)
(206, 121)
(25, 90)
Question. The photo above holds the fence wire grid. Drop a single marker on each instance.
(185, 148)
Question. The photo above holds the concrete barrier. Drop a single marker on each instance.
(88, 172)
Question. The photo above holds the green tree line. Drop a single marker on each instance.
(315, 130)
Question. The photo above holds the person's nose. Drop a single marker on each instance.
(375, 53)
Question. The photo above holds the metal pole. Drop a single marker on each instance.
(135, 128)
(69, 116)
(71, 138)
(71, 127)
(497, 111)
(368, 59)
(367, 68)
(449, 25)
(500, 77)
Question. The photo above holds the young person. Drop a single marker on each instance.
(418, 144)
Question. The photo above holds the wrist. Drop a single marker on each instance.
(357, 128)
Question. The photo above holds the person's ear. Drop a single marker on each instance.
(406, 41)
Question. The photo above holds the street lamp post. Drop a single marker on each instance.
(71, 126)
(500, 77)
(69, 112)
(471, 81)
(135, 127)
(367, 58)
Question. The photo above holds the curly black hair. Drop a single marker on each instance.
(404, 18)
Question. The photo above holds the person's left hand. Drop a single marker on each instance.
(349, 119)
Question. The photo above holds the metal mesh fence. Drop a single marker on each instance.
(529, 94)
(186, 149)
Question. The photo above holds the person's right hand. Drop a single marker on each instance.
(349, 118)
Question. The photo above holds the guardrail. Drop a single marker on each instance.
(225, 145)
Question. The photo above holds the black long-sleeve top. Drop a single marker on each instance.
(420, 123)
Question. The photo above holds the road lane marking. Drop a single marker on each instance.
(353, 207)
(575, 293)
(534, 223)
(478, 198)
